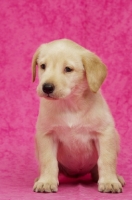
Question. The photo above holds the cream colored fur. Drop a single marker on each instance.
(75, 129)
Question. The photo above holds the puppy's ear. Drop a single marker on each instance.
(95, 70)
(34, 63)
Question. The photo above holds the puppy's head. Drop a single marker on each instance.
(66, 68)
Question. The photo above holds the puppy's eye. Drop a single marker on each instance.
(43, 66)
(68, 69)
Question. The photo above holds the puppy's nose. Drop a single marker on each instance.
(48, 88)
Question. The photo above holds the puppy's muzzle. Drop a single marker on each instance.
(48, 88)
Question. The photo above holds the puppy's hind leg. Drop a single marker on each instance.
(94, 174)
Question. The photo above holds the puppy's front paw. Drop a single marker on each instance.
(121, 180)
(111, 186)
(46, 186)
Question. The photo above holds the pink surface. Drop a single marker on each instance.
(103, 26)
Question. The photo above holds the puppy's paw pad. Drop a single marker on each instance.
(110, 187)
(45, 187)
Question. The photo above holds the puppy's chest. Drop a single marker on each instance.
(76, 135)
(71, 126)
(76, 120)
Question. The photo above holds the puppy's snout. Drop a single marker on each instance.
(48, 88)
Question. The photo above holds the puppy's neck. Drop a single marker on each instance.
(76, 102)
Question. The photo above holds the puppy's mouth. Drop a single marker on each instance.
(55, 95)
(49, 97)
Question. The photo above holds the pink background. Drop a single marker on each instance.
(104, 27)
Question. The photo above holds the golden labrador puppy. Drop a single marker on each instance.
(75, 129)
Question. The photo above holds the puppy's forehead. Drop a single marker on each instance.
(64, 44)
(62, 47)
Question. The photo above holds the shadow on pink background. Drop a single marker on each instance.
(104, 27)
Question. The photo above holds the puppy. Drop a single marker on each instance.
(75, 129)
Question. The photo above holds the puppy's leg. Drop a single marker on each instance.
(47, 150)
(94, 174)
(108, 149)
